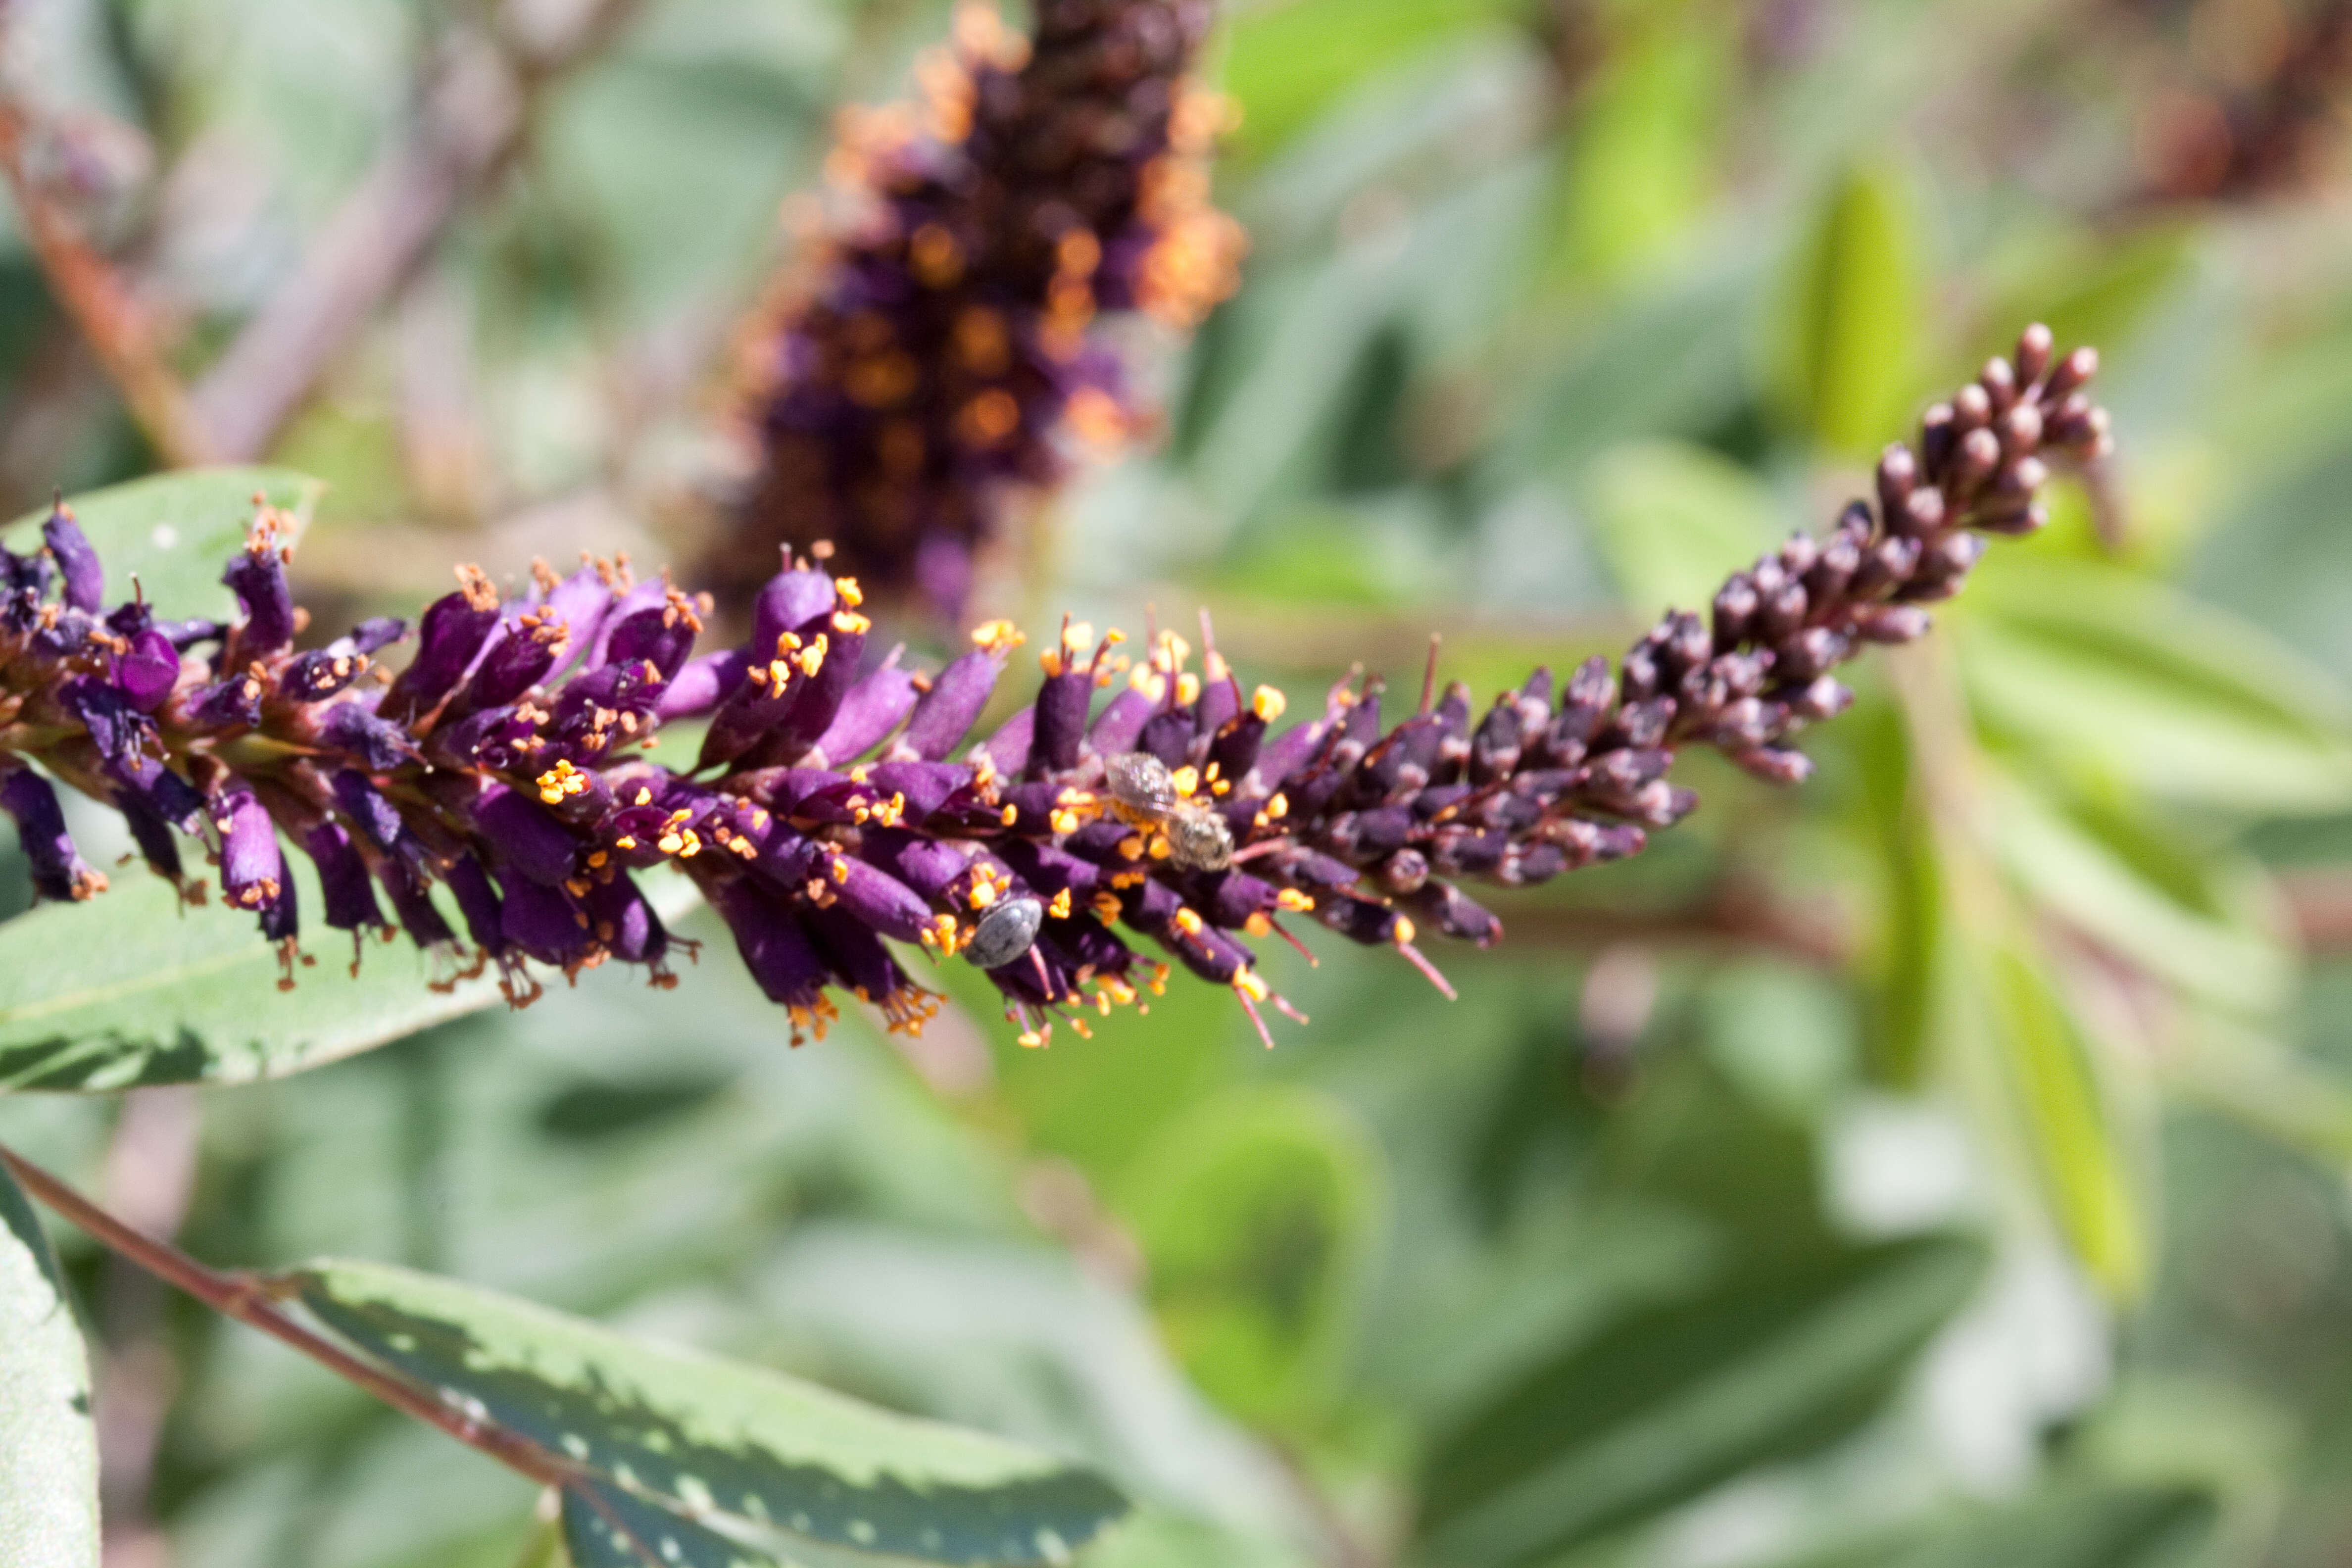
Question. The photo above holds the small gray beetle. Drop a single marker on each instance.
(1004, 932)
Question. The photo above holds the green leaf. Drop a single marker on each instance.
(48, 1445)
(2067, 1527)
(1646, 143)
(2145, 897)
(1286, 63)
(131, 988)
(2110, 670)
(1848, 350)
(1768, 1365)
(176, 531)
(1674, 521)
(708, 1435)
(1256, 1212)
(2050, 1072)
(604, 1527)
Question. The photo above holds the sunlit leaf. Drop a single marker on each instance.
(703, 1434)
(48, 1444)
(1847, 350)
(131, 988)
(1642, 158)
(176, 531)
(2147, 900)
(2117, 672)
(1768, 1365)
(1286, 62)
(1673, 520)
(2057, 1095)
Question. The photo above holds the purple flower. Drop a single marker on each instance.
(948, 352)
(826, 820)
(59, 872)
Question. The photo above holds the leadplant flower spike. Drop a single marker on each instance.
(938, 351)
(838, 806)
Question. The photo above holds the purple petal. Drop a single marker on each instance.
(148, 671)
(453, 631)
(774, 948)
(1059, 731)
(701, 684)
(547, 923)
(252, 866)
(526, 837)
(948, 709)
(58, 871)
(350, 893)
(1120, 721)
(76, 559)
(374, 743)
(412, 903)
(477, 900)
(871, 710)
(257, 574)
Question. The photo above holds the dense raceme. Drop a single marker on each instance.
(932, 358)
(836, 806)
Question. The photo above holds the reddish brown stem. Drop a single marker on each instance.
(249, 1299)
(474, 119)
(119, 330)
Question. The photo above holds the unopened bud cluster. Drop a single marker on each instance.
(942, 348)
(835, 808)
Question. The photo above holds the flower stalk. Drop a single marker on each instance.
(839, 818)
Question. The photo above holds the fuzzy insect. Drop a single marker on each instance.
(1143, 792)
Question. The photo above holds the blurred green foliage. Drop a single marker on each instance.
(2003, 1224)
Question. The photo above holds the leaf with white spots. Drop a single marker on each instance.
(715, 1438)
(604, 1527)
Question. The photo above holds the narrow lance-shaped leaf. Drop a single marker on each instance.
(1671, 1403)
(2080, 1159)
(48, 1445)
(710, 1435)
(604, 1527)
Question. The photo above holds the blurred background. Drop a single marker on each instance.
(1944, 1164)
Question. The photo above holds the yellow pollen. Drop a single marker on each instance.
(1009, 815)
(1060, 908)
(1105, 906)
(1268, 704)
(1258, 924)
(1188, 688)
(848, 622)
(1031, 1039)
(1403, 932)
(851, 595)
(1131, 846)
(1249, 985)
(997, 636)
(1063, 819)
(1278, 807)
(1293, 899)
(1188, 923)
(1077, 635)
(1050, 661)
(1186, 778)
